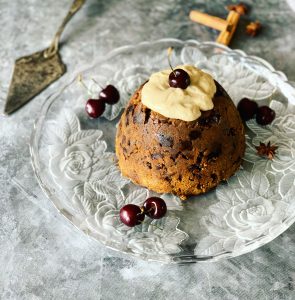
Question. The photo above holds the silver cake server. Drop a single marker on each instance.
(33, 73)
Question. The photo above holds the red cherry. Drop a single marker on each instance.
(179, 79)
(265, 115)
(155, 207)
(131, 215)
(247, 109)
(109, 94)
(95, 108)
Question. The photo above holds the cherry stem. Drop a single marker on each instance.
(256, 90)
(170, 49)
(80, 80)
(97, 83)
(144, 222)
(150, 210)
(156, 226)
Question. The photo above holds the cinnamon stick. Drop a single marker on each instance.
(208, 20)
(232, 21)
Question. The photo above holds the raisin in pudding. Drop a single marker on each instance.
(180, 135)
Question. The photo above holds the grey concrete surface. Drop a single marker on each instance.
(44, 257)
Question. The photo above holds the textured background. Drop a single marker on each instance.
(41, 255)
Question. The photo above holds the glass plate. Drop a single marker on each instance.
(73, 158)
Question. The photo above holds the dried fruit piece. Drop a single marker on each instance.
(240, 8)
(253, 28)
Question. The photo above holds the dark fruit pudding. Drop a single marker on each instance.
(171, 155)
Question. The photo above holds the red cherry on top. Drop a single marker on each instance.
(109, 94)
(179, 78)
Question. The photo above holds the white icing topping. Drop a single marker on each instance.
(184, 104)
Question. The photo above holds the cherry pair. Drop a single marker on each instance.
(153, 207)
(96, 107)
(248, 108)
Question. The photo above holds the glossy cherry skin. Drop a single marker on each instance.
(95, 108)
(265, 115)
(247, 109)
(155, 207)
(179, 79)
(109, 95)
(131, 215)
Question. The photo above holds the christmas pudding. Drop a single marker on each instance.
(180, 133)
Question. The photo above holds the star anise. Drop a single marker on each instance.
(240, 8)
(266, 150)
(253, 28)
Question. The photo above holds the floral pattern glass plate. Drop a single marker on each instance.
(74, 160)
